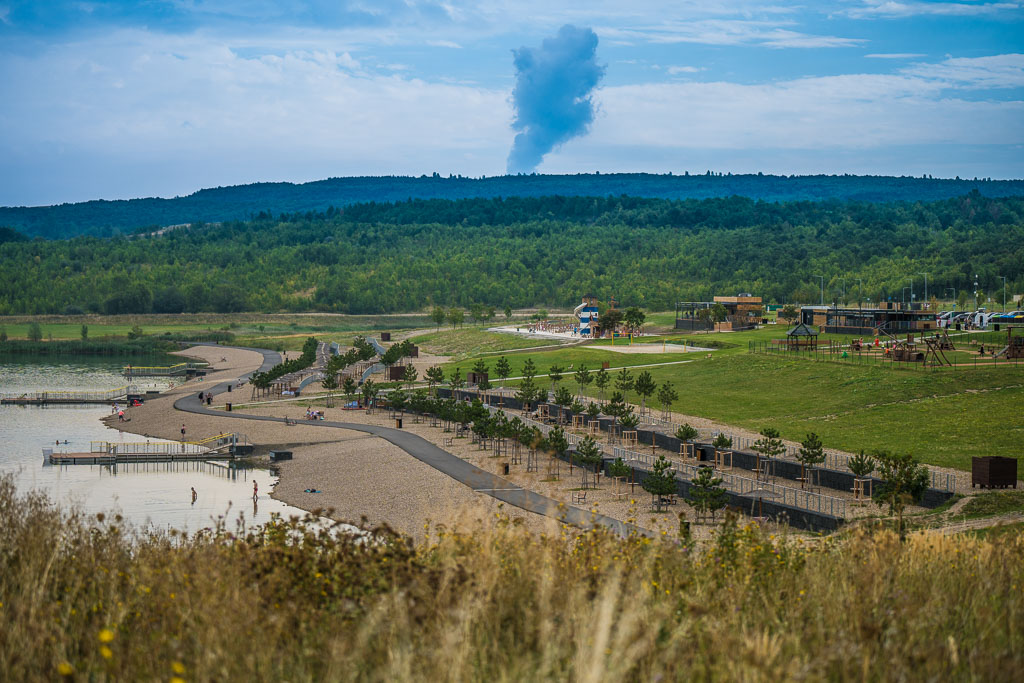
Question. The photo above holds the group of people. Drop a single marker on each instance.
(314, 414)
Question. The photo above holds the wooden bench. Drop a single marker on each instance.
(579, 497)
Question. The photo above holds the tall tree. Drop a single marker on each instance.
(624, 383)
(438, 316)
(810, 454)
(634, 319)
(644, 386)
(601, 380)
(666, 397)
(435, 376)
(583, 378)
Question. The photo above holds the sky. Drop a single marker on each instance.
(113, 100)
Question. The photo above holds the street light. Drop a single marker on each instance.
(911, 289)
(1004, 290)
(925, 286)
(905, 295)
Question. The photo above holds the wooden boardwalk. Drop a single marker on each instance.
(124, 458)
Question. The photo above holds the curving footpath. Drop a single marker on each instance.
(472, 476)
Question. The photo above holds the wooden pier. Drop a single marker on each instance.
(217, 447)
(178, 370)
(39, 398)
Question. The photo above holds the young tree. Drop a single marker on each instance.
(768, 446)
(634, 319)
(627, 419)
(484, 385)
(35, 332)
(435, 376)
(687, 433)
(722, 441)
(529, 369)
(904, 481)
(480, 368)
(503, 369)
(563, 399)
(589, 455)
(644, 387)
(84, 332)
(624, 382)
(861, 465)
(666, 397)
(557, 443)
(619, 471)
(555, 375)
(601, 380)
(789, 313)
(593, 411)
(330, 384)
(706, 492)
(350, 387)
(397, 400)
(455, 317)
(615, 407)
(438, 316)
(455, 381)
(660, 482)
(410, 376)
(508, 312)
(370, 390)
(810, 454)
(609, 320)
(719, 313)
(583, 378)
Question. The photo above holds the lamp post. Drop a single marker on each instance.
(975, 291)
(822, 288)
(905, 295)
(1003, 278)
(925, 286)
(911, 290)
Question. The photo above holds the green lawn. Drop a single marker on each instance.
(474, 340)
(942, 418)
(994, 503)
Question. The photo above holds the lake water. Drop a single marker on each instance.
(152, 494)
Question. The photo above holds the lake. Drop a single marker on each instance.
(148, 495)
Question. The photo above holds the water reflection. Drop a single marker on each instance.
(147, 494)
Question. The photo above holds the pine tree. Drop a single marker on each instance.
(811, 453)
(706, 493)
(660, 482)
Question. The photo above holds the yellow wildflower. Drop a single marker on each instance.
(178, 667)
(106, 635)
(65, 669)
(106, 652)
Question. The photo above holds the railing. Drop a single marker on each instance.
(147, 448)
(161, 370)
(109, 395)
(745, 486)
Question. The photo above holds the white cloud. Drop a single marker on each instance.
(444, 43)
(674, 70)
(996, 71)
(909, 8)
(896, 55)
(726, 32)
(300, 115)
(5, 13)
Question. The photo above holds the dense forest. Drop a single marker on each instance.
(392, 257)
(106, 218)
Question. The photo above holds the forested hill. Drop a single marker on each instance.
(382, 258)
(241, 202)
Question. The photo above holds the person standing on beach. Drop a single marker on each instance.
(194, 495)
(255, 490)
(182, 431)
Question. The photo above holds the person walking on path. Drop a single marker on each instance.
(255, 490)
(194, 495)
(182, 431)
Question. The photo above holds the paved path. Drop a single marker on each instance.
(472, 476)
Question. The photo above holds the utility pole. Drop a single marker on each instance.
(925, 286)
(905, 295)
(911, 290)
(1003, 278)
(975, 291)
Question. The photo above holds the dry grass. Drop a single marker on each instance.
(86, 599)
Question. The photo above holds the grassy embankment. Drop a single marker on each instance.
(942, 418)
(84, 600)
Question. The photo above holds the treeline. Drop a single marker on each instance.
(521, 252)
(106, 218)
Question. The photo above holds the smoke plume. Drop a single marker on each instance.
(552, 94)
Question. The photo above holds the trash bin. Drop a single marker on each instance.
(504, 468)
(398, 423)
(228, 407)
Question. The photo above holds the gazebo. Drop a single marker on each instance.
(801, 337)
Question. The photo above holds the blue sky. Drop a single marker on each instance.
(106, 99)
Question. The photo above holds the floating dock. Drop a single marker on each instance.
(110, 453)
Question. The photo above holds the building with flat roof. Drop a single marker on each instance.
(888, 317)
(742, 312)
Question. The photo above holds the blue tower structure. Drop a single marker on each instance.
(586, 313)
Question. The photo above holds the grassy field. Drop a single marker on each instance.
(994, 503)
(473, 340)
(85, 599)
(941, 417)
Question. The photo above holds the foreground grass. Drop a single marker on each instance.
(86, 600)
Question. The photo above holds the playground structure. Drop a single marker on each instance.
(587, 314)
(1014, 348)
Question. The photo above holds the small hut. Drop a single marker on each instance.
(802, 337)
